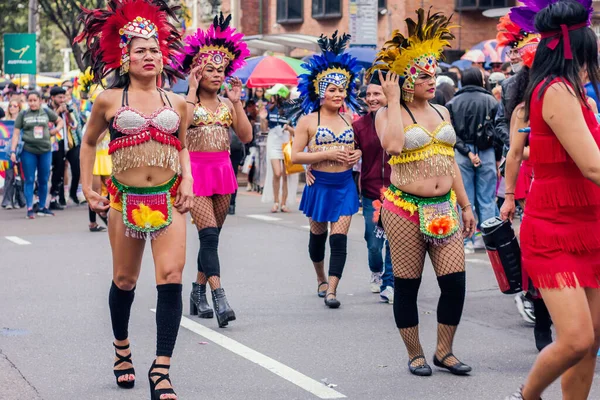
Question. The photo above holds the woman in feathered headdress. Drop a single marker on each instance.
(332, 198)
(519, 171)
(560, 240)
(419, 212)
(151, 184)
(209, 57)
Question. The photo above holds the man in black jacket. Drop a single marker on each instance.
(473, 110)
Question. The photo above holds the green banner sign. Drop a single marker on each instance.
(20, 53)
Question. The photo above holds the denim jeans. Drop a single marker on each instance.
(480, 183)
(31, 163)
(375, 246)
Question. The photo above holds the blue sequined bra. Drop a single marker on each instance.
(325, 139)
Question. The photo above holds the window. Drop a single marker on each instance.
(289, 11)
(322, 9)
(381, 4)
(466, 5)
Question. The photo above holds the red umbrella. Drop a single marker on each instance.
(271, 71)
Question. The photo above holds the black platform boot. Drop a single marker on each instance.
(198, 303)
(222, 308)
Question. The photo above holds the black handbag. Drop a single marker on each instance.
(484, 138)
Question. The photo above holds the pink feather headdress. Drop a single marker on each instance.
(219, 45)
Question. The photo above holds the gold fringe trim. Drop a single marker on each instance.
(208, 138)
(422, 154)
(433, 166)
(148, 154)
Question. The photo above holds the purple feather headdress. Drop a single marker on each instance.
(524, 15)
(219, 45)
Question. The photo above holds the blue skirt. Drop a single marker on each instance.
(333, 195)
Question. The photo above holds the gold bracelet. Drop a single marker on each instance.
(463, 208)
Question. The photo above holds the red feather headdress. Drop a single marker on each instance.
(511, 34)
(108, 32)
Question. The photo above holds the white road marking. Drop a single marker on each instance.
(477, 261)
(289, 374)
(17, 240)
(263, 217)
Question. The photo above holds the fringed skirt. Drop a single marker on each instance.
(213, 173)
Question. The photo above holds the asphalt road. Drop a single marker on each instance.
(55, 334)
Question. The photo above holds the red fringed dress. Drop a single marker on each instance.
(560, 234)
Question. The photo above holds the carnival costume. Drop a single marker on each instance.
(138, 140)
(333, 194)
(525, 42)
(415, 225)
(560, 243)
(209, 141)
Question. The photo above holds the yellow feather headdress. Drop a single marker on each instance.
(418, 52)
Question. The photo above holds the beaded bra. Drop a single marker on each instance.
(138, 140)
(325, 139)
(210, 130)
(425, 154)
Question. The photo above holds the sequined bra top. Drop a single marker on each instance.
(138, 140)
(425, 154)
(210, 130)
(325, 139)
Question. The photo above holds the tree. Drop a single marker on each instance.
(63, 14)
(15, 20)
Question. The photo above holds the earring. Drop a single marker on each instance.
(161, 69)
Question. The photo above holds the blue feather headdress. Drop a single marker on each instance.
(333, 66)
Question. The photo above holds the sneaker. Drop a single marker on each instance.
(387, 296)
(375, 282)
(30, 214)
(525, 308)
(8, 207)
(44, 212)
(478, 243)
(469, 248)
(55, 205)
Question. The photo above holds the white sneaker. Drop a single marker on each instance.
(469, 248)
(525, 308)
(387, 296)
(375, 282)
(478, 243)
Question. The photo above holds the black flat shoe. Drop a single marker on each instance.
(456, 369)
(156, 393)
(333, 302)
(322, 293)
(420, 370)
(120, 372)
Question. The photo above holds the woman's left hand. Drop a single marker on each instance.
(354, 156)
(234, 94)
(310, 178)
(185, 195)
(469, 224)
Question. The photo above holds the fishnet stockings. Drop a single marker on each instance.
(408, 250)
(410, 336)
(210, 212)
(339, 227)
(444, 344)
(333, 284)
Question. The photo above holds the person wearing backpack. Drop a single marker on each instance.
(473, 110)
(32, 126)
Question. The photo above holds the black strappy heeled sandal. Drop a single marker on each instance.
(156, 393)
(120, 372)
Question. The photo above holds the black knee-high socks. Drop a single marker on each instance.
(450, 305)
(406, 313)
(316, 246)
(452, 298)
(169, 307)
(337, 260)
(119, 302)
(208, 255)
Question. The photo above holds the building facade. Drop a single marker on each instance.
(313, 17)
